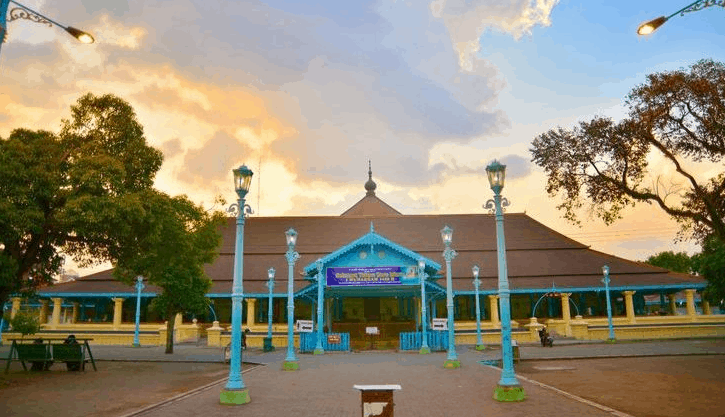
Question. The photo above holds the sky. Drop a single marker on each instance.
(305, 93)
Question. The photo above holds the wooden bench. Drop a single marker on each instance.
(37, 354)
(45, 354)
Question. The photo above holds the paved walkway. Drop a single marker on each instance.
(324, 384)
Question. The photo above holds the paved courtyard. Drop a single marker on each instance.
(675, 378)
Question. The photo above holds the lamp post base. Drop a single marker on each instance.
(234, 397)
(267, 347)
(480, 347)
(290, 366)
(509, 393)
(611, 340)
(318, 351)
(424, 350)
(452, 364)
(136, 345)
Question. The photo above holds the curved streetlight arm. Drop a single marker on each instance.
(648, 27)
(34, 16)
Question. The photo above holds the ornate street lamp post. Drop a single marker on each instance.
(235, 393)
(424, 349)
(476, 284)
(648, 27)
(290, 362)
(508, 388)
(24, 12)
(139, 288)
(605, 280)
(448, 254)
(268, 346)
(320, 319)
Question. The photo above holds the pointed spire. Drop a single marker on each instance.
(370, 185)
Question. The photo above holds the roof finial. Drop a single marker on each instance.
(372, 228)
(370, 185)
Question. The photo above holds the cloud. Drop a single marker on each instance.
(213, 161)
(467, 20)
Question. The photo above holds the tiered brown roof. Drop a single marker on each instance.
(537, 256)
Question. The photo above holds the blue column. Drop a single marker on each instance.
(424, 349)
(476, 284)
(448, 254)
(605, 270)
(235, 391)
(290, 362)
(508, 388)
(139, 288)
(320, 305)
(3, 20)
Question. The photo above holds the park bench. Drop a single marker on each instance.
(45, 354)
(33, 353)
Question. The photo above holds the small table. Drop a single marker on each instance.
(47, 345)
(377, 400)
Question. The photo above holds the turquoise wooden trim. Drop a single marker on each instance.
(373, 239)
(437, 340)
(308, 342)
(93, 294)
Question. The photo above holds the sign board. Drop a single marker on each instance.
(374, 275)
(372, 330)
(333, 338)
(304, 326)
(439, 324)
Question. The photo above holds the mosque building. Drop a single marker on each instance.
(367, 261)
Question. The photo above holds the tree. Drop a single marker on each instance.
(25, 323)
(171, 244)
(710, 263)
(68, 192)
(678, 262)
(678, 115)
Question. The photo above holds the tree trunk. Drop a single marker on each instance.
(170, 333)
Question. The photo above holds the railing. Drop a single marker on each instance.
(437, 340)
(308, 342)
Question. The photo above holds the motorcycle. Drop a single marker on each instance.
(546, 339)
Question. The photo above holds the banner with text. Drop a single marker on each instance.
(378, 275)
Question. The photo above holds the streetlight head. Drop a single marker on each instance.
(475, 270)
(421, 265)
(605, 269)
(496, 175)
(291, 237)
(270, 273)
(447, 235)
(82, 36)
(242, 180)
(648, 27)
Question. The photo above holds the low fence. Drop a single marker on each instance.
(437, 340)
(330, 342)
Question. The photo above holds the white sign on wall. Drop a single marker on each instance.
(371, 330)
(304, 326)
(439, 324)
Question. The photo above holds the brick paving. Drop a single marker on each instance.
(324, 385)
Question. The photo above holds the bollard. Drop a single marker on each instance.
(377, 400)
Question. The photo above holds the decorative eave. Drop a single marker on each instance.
(373, 239)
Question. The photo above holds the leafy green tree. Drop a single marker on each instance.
(678, 262)
(677, 115)
(710, 263)
(69, 192)
(172, 242)
(25, 323)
